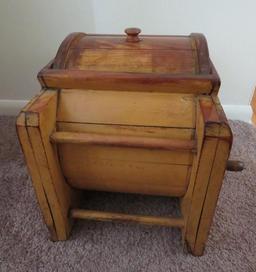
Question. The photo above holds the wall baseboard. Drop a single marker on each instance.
(238, 112)
(235, 112)
(11, 107)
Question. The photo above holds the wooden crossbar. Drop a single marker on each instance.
(121, 217)
(121, 140)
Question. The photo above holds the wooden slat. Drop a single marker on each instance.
(200, 189)
(140, 61)
(185, 201)
(47, 125)
(127, 108)
(147, 42)
(43, 167)
(124, 141)
(113, 60)
(35, 174)
(144, 82)
(211, 197)
(211, 163)
(202, 167)
(120, 217)
(138, 131)
(40, 122)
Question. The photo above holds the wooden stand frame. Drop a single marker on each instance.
(34, 125)
(214, 143)
(59, 203)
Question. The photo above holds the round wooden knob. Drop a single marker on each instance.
(132, 34)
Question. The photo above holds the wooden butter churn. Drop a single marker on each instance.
(128, 113)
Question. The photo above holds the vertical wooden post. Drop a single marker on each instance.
(35, 124)
(207, 174)
(211, 197)
(35, 175)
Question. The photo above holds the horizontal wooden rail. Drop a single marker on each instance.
(123, 81)
(121, 140)
(121, 217)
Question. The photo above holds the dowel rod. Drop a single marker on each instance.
(125, 141)
(142, 219)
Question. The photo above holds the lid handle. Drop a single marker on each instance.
(132, 34)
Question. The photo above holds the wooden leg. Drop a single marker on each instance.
(35, 176)
(211, 198)
(55, 195)
(214, 141)
(199, 191)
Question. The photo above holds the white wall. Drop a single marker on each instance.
(30, 34)
(228, 25)
(31, 31)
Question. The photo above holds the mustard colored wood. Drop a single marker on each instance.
(128, 113)
(127, 108)
(119, 217)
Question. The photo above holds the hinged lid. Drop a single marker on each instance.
(132, 62)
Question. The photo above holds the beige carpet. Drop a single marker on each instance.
(95, 246)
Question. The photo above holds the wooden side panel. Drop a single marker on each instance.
(35, 175)
(200, 188)
(40, 120)
(47, 125)
(211, 198)
(127, 108)
(185, 202)
(212, 159)
(54, 202)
